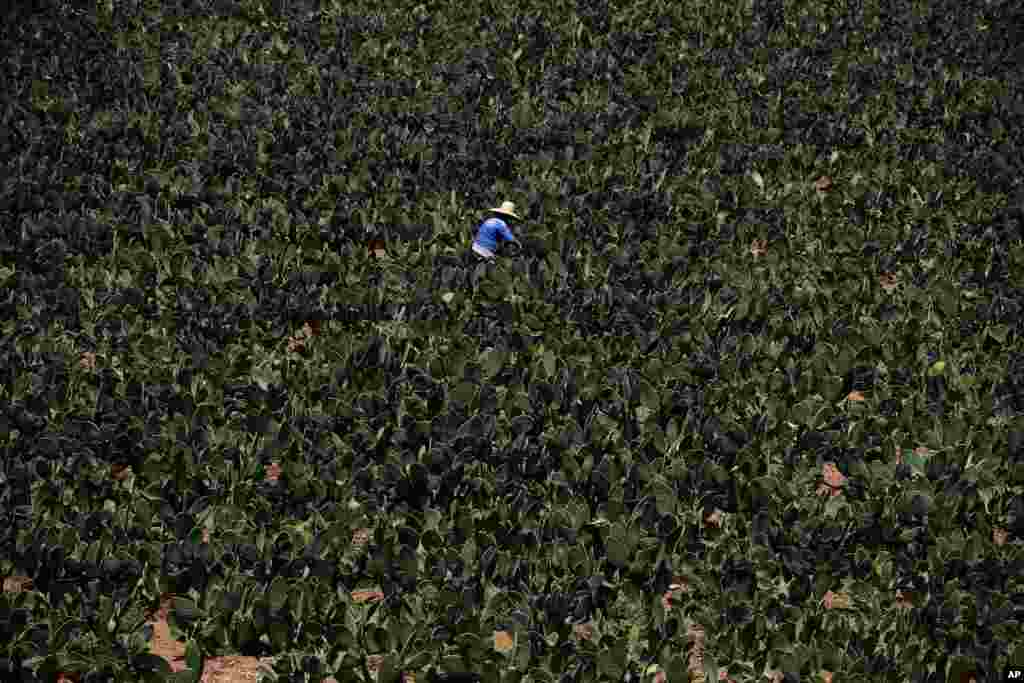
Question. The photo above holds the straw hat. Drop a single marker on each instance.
(507, 209)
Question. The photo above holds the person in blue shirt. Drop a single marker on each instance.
(493, 229)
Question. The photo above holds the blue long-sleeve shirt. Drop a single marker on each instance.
(489, 232)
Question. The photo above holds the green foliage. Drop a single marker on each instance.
(697, 326)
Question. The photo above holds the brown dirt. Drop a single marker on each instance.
(584, 631)
(367, 595)
(17, 584)
(219, 669)
(361, 537)
(162, 643)
(504, 642)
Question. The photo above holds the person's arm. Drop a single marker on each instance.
(507, 235)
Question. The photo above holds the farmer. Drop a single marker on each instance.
(495, 227)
